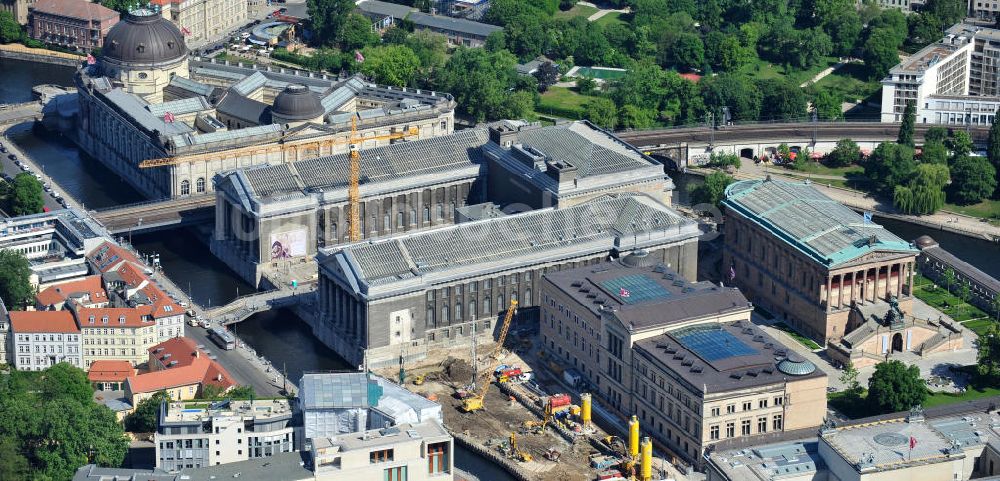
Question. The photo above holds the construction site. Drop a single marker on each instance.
(530, 420)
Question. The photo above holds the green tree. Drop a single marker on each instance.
(895, 387)
(934, 152)
(781, 100)
(973, 179)
(10, 30)
(996, 307)
(880, 52)
(988, 351)
(909, 124)
(993, 143)
(547, 76)
(390, 64)
(482, 82)
(936, 134)
(146, 416)
(845, 153)
(960, 144)
(13, 464)
(844, 30)
(356, 33)
(713, 190)
(965, 294)
(948, 278)
(733, 56)
(724, 160)
(586, 85)
(924, 194)
(849, 378)
(684, 51)
(15, 280)
(889, 165)
(947, 12)
(432, 50)
(602, 112)
(28, 197)
(327, 18)
(737, 92)
(828, 105)
(634, 117)
(65, 381)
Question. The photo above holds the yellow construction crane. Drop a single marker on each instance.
(516, 452)
(475, 403)
(271, 148)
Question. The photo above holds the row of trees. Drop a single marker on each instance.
(50, 425)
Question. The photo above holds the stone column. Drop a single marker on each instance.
(899, 279)
(829, 287)
(911, 275)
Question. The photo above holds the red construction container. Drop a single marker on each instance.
(609, 474)
(511, 372)
(560, 401)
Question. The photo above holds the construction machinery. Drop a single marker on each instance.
(516, 452)
(419, 379)
(475, 403)
(276, 146)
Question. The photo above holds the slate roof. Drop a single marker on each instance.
(498, 243)
(451, 24)
(80, 9)
(244, 108)
(190, 86)
(805, 218)
(439, 154)
(180, 106)
(135, 108)
(385, 9)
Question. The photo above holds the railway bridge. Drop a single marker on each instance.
(157, 214)
(11, 114)
(692, 146)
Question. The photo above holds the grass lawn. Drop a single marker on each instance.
(805, 341)
(577, 11)
(848, 405)
(613, 17)
(987, 209)
(563, 102)
(763, 69)
(978, 388)
(850, 81)
(978, 326)
(945, 301)
(822, 169)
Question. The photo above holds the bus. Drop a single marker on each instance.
(222, 337)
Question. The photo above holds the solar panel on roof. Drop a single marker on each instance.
(712, 343)
(636, 288)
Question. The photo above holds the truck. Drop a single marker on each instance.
(559, 402)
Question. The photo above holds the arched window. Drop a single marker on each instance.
(185, 187)
(527, 295)
(486, 306)
(458, 310)
(430, 317)
(444, 313)
(427, 213)
(413, 216)
(440, 213)
(513, 296)
(472, 309)
(200, 184)
(500, 305)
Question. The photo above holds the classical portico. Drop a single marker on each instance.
(808, 259)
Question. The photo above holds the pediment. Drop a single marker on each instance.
(874, 257)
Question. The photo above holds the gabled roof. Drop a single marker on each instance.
(81, 9)
(806, 219)
(43, 322)
(450, 24)
(117, 317)
(192, 367)
(110, 371)
(90, 286)
(108, 255)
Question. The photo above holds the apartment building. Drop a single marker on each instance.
(198, 435)
(203, 21)
(73, 24)
(86, 292)
(111, 334)
(404, 452)
(41, 339)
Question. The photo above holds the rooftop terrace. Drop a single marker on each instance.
(190, 411)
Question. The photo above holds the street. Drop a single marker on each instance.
(7, 166)
(245, 367)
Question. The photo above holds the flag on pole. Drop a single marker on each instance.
(185, 31)
(868, 217)
(732, 273)
(913, 442)
(169, 118)
(623, 292)
(358, 57)
(91, 60)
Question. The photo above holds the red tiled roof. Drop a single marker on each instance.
(133, 316)
(693, 77)
(81, 9)
(43, 322)
(108, 256)
(193, 367)
(57, 293)
(110, 371)
(162, 305)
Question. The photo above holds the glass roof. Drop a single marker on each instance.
(636, 288)
(712, 343)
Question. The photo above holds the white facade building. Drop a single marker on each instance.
(41, 339)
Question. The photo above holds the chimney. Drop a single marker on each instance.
(196, 354)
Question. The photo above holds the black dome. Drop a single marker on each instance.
(144, 39)
(297, 102)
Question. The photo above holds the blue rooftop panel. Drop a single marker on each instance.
(712, 343)
(636, 288)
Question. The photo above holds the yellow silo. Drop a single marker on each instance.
(646, 463)
(633, 437)
(585, 408)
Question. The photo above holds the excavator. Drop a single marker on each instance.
(475, 403)
(518, 453)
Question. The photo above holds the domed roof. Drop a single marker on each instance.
(144, 37)
(638, 258)
(795, 365)
(297, 102)
(925, 241)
